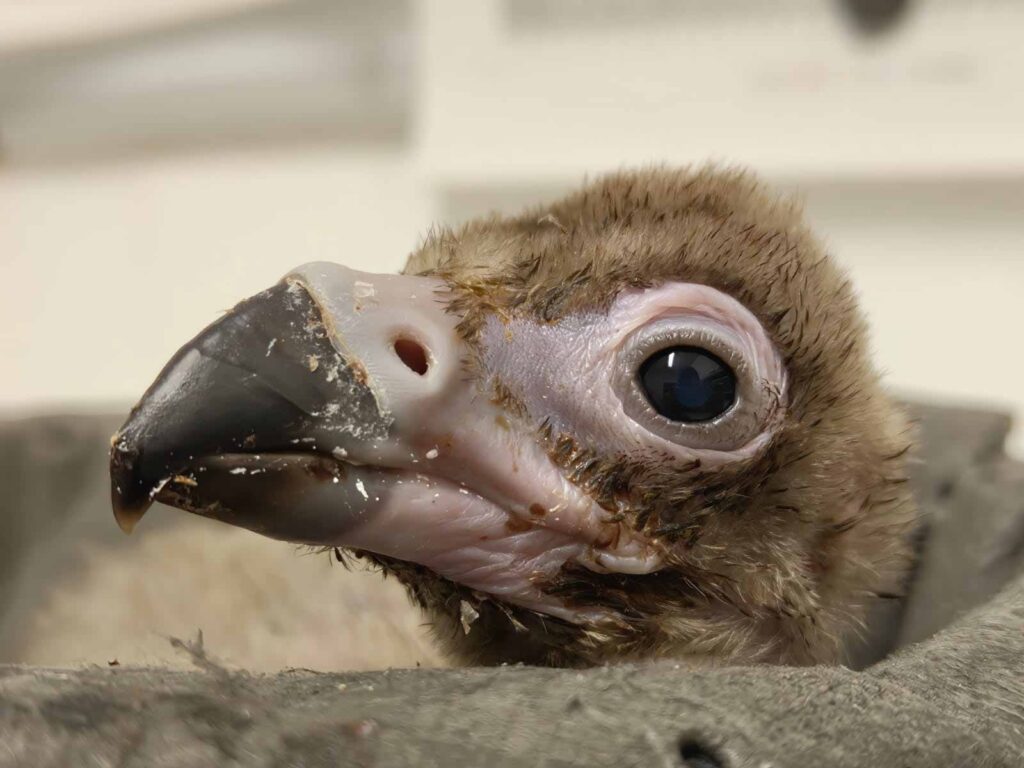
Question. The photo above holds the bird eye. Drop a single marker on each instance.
(688, 384)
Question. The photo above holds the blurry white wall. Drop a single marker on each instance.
(109, 269)
(907, 147)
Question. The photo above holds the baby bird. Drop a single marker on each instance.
(641, 422)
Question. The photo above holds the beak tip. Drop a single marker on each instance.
(128, 503)
(127, 511)
(127, 518)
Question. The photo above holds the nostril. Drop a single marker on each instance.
(412, 354)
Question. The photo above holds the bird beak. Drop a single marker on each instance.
(306, 379)
(336, 409)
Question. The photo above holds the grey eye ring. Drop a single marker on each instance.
(736, 404)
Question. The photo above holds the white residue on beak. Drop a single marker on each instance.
(238, 471)
(339, 453)
(432, 453)
(159, 487)
(363, 293)
(362, 489)
(270, 346)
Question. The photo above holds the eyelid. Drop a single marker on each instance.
(687, 331)
(731, 430)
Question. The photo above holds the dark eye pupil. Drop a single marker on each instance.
(688, 384)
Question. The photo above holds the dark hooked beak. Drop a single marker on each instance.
(266, 390)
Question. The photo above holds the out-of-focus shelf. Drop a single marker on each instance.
(52, 22)
(310, 70)
(795, 97)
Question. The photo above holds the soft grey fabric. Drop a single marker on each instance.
(955, 698)
(953, 701)
(971, 498)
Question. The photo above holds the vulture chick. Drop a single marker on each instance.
(641, 422)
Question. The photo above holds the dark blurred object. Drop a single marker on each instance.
(872, 17)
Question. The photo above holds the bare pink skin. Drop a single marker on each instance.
(470, 542)
(464, 490)
(566, 372)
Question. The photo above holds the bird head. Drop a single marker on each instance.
(640, 422)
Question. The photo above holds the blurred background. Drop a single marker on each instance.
(161, 159)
